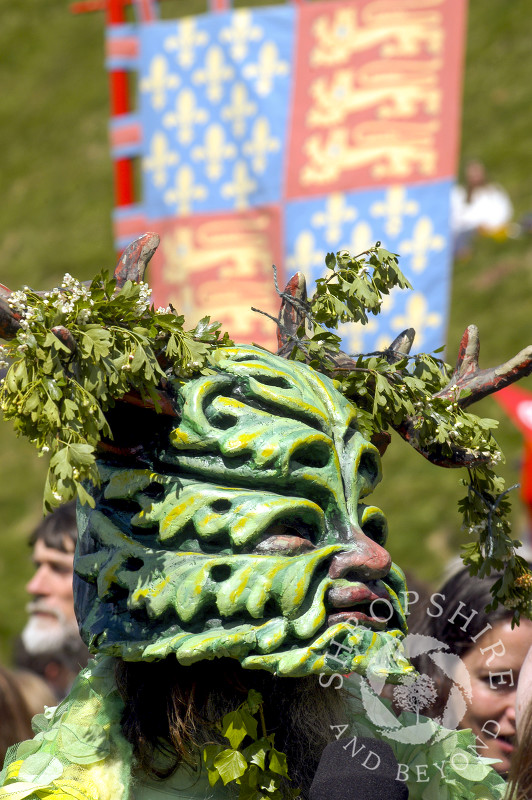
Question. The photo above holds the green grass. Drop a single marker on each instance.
(57, 195)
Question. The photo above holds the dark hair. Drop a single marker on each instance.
(171, 711)
(460, 597)
(456, 616)
(59, 529)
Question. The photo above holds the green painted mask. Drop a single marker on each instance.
(247, 536)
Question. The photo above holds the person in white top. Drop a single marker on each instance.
(478, 207)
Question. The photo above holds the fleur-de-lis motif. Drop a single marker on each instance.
(239, 109)
(260, 145)
(306, 256)
(214, 152)
(354, 335)
(268, 67)
(185, 117)
(240, 34)
(361, 239)
(333, 217)
(423, 242)
(186, 41)
(214, 74)
(185, 191)
(160, 158)
(395, 206)
(241, 187)
(159, 81)
(417, 316)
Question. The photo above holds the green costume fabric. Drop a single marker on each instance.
(79, 753)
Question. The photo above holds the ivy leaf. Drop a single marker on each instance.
(256, 752)
(231, 765)
(237, 725)
(254, 700)
(278, 763)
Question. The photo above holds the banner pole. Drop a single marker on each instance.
(120, 104)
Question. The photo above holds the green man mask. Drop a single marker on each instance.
(247, 535)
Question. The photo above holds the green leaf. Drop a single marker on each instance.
(84, 496)
(81, 454)
(254, 699)
(256, 752)
(237, 725)
(84, 745)
(96, 340)
(278, 763)
(231, 765)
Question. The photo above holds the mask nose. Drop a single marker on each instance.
(367, 561)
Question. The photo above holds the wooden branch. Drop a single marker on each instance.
(64, 336)
(134, 260)
(456, 458)
(291, 315)
(482, 382)
(165, 402)
(9, 320)
(400, 347)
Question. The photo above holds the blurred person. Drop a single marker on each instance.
(50, 644)
(15, 716)
(488, 658)
(35, 691)
(478, 207)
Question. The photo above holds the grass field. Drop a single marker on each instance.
(57, 195)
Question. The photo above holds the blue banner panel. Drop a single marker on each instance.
(215, 94)
(412, 220)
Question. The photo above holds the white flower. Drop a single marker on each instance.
(45, 449)
(84, 316)
(68, 280)
(57, 496)
(17, 301)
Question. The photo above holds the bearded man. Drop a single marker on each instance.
(50, 644)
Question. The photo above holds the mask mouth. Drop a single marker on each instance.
(369, 604)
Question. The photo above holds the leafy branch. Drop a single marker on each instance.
(77, 350)
(258, 769)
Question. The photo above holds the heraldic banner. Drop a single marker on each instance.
(274, 135)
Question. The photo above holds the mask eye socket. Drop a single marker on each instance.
(373, 524)
(286, 538)
(221, 506)
(368, 468)
(313, 454)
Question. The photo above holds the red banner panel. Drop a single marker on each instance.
(376, 101)
(221, 261)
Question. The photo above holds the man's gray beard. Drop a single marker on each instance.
(42, 635)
